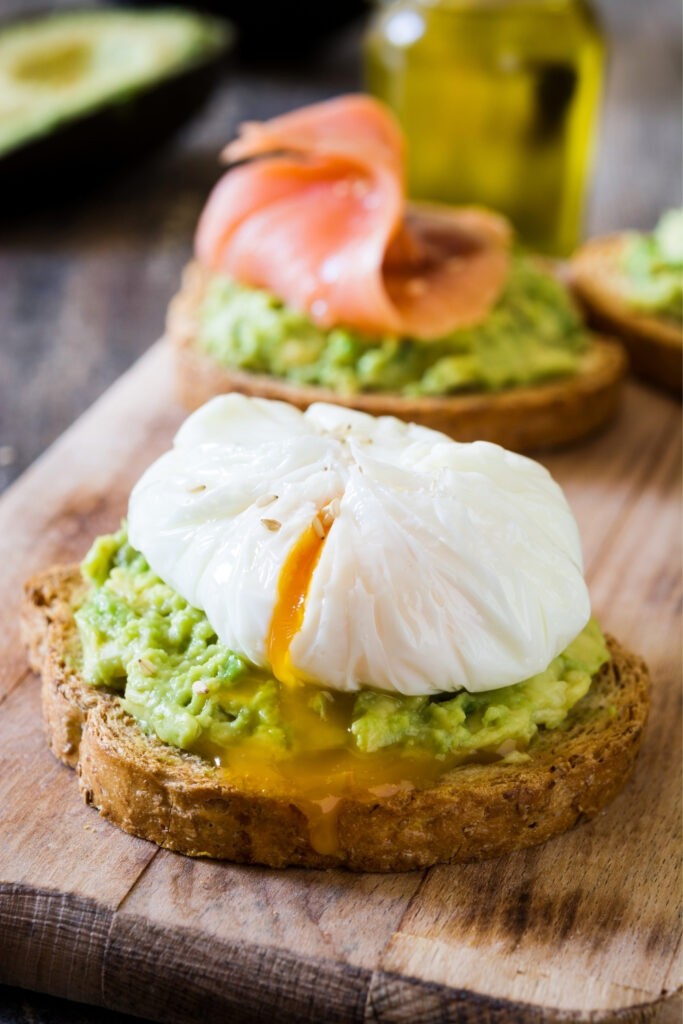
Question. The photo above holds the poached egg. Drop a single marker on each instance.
(335, 547)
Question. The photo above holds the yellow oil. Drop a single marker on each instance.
(498, 101)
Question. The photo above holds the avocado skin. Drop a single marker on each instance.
(78, 153)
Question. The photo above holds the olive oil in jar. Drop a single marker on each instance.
(498, 100)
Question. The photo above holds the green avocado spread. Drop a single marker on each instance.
(140, 638)
(652, 265)
(533, 334)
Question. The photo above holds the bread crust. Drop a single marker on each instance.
(181, 802)
(654, 344)
(522, 418)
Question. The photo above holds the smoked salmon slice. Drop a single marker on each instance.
(316, 213)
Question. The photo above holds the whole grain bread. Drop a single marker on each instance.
(655, 344)
(521, 418)
(183, 803)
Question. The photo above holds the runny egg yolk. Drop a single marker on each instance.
(288, 616)
(321, 769)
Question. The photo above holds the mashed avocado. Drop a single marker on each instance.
(653, 268)
(141, 638)
(532, 334)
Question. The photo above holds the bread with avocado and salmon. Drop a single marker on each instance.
(217, 703)
(523, 418)
(631, 286)
(314, 280)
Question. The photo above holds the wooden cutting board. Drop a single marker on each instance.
(583, 928)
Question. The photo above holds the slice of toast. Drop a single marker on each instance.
(521, 418)
(654, 344)
(183, 803)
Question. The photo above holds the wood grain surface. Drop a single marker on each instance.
(83, 291)
(582, 928)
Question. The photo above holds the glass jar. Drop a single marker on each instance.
(498, 101)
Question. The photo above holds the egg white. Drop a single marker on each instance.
(448, 565)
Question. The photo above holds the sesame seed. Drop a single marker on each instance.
(507, 747)
(330, 513)
(272, 524)
(197, 489)
(265, 499)
(318, 528)
(146, 666)
(200, 686)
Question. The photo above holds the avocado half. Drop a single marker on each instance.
(84, 92)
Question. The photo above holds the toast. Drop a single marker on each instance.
(654, 344)
(179, 801)
(520, 418)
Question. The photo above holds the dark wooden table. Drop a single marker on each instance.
(84, 288)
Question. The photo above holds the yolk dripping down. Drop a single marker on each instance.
(321, 769)
(288, 616)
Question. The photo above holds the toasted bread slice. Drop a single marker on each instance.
(522, 418)
(655, 344)
(183, 803)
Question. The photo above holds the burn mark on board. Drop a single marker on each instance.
(512, 905)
